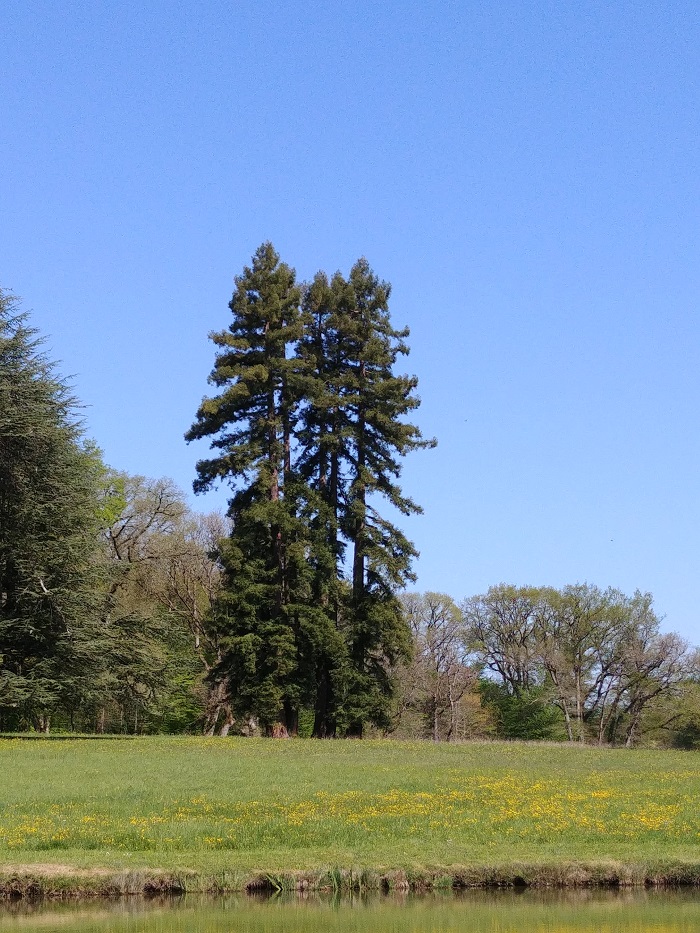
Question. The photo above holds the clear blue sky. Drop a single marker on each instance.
(525, 174)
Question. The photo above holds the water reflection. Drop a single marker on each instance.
(507, 911)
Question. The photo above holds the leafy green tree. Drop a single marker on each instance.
(501, 628)
(163, 577)
(598, 656)
(684, 717)
(580, 632)
(654, 672)
(50, 638)
(152, 661)
(528, 714)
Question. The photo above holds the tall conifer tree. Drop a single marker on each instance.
(378, 401)
(49, 577)
(322, 434)
(309, 428)
(353, 437)
(250, 423)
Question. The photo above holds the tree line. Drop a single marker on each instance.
(105, 579)
(122, 609)
(577, 663)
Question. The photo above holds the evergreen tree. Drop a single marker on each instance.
(352, 439)
(250, 423)
(309, 430)
(378, 401)
(323, 430)
(49, 577)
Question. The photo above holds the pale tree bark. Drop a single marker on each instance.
(440, 670)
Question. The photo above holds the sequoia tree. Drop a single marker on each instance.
(250, 423)
(308, 428)
(353, 440)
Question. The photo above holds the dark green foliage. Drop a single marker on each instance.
(84, 644)
(525, 715)
(681, 724)
(351, 438)
(250, 424)
(688, 736)
(377, 401)
(49, 577)
(308, 429)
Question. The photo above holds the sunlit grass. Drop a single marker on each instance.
(293, 804)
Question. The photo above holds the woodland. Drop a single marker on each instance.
(123, 610)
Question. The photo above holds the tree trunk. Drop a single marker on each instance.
(360, 497)
(228, 721)
(454, 713)
(42, 723)
(291, 719)
(217, 702)
(579, 707)
(324, 723)
(632, 729)
(567, 720)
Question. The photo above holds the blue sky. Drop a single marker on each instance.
(526, 176)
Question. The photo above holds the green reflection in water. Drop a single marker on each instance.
(472, 912)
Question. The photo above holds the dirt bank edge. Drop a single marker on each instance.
(63, 881)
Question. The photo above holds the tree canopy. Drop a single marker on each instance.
(49, 477)
(309, 428)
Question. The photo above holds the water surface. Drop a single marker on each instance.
(471, 912)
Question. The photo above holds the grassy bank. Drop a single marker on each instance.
(198, 814)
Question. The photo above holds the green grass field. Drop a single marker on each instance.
(237, 808)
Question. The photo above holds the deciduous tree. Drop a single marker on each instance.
(440, 672)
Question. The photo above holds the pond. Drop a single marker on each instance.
(470, 912)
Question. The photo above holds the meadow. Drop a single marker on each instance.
(246, 809)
